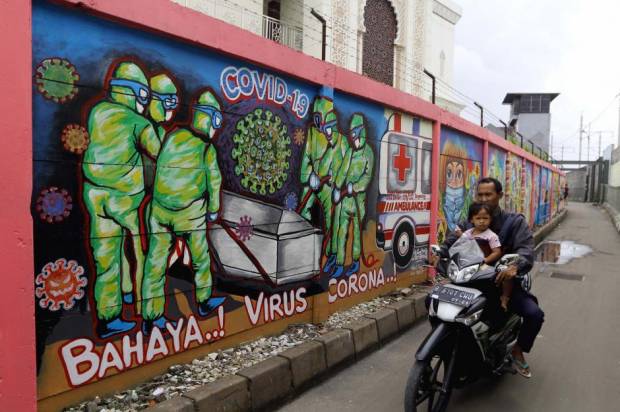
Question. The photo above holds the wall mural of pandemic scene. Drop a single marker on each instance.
(181, 197)
(529, 189)
(460, 167)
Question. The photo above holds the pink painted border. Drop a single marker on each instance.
(17, 324)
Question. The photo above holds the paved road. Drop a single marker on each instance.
(575, 362)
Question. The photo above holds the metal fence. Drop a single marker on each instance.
(283, 33)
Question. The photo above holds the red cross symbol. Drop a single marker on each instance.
(402, 162)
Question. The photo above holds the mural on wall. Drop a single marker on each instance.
(497, 168)
(514, 179)
(182, 197)
(535, 193)
(404, 203)
(528, 197)
(460, 167)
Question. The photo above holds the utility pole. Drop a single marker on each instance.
(618, 96)
(599, 143)
(580, 137)
(588, 152)
(551, 145)
(562, 158)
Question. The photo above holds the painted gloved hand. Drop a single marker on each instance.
(314, 181)
(336, 195)
(212, 217)
(350, 188)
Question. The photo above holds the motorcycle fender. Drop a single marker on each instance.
(432, 340)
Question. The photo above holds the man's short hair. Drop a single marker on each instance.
(496, 183)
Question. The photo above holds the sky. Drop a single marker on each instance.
(571, 47)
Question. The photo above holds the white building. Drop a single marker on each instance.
(392, 41)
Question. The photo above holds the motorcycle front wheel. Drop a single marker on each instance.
(426, 385)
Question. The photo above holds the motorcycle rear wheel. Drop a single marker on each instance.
(423, 385)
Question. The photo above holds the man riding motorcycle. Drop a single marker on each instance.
(515, 237)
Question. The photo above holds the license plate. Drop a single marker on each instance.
(452, 295)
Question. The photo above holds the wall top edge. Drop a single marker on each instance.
(172, 19)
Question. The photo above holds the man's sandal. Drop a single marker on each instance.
(522, 368)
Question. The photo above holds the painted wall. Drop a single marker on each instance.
(521, 181)
(184, 200)
(460, 167)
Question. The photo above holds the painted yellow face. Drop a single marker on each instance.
(455, 174)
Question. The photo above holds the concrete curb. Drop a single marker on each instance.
(260, 386)
(271, 381)
(613, 214)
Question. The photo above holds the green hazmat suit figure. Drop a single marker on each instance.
(324, 152)
(113, 187)
(350, 186)
(186, 195)
(161, 109)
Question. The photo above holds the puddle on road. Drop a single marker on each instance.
(560, 252)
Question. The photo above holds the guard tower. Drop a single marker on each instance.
(532, 115)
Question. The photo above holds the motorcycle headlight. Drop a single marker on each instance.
(463, 275)
(468, 272)
(453, 271)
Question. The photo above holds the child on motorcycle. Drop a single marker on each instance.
(480, 216)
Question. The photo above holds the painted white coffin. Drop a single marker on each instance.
(287, 246)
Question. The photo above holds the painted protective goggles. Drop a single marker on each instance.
(214, 114)
(169, 100)
(139, 90)
(356, 131)
(318, 120)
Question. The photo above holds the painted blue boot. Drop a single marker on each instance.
(105, 329)
(160, 323)
(331, 261)
(128, 298)
(338, 271)
(206, 307)
(355, 266)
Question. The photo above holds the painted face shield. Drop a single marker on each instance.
(214, 114)
(327, 124)
(358, 136)
(140, 91)
(169, 101)
(162, 106)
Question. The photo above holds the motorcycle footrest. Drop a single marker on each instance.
(505, 369)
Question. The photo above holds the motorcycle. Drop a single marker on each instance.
(471, 336)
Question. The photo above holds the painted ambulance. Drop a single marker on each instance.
(404, 202)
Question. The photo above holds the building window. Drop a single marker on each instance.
(532, 103)
(273, 10)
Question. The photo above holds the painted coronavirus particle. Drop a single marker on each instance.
(56, 79)
(298, 137)
(60, 284)
(261, 152)
(54, 204)
(75, 138)
(290, 201)
(244, 228)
